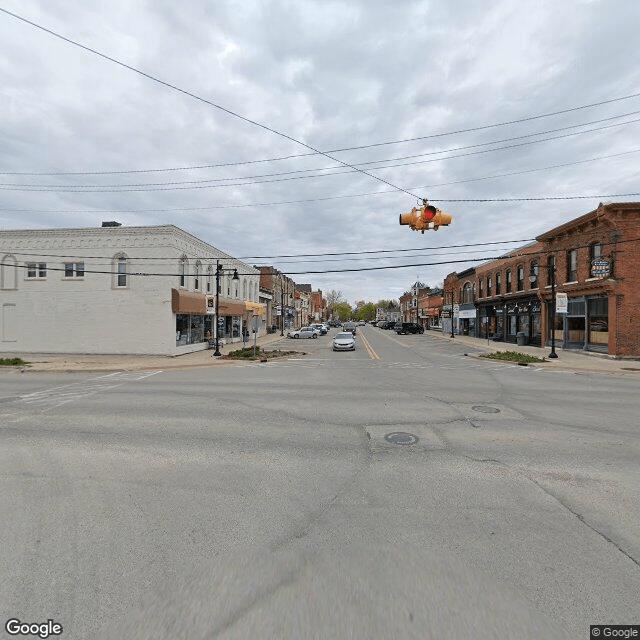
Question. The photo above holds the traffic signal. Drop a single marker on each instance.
(425, 217)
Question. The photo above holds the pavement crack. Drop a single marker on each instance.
(582, 519)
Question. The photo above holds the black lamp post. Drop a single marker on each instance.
(452, 298)
(219, 272)
(551, 274)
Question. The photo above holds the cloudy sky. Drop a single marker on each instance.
(452, 100)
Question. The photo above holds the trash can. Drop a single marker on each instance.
(521, 338)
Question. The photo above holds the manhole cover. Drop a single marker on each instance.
(400, 437)
(482, 409)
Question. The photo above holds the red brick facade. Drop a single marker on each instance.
(512, 296)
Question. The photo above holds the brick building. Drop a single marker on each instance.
(592, 262)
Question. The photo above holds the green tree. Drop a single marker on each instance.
(366, 312)
(342, 311)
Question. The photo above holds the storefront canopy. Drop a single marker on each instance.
(187, 302)
(255, 308)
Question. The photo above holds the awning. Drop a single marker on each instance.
(187, 302)
(255, 308)
(230, 307)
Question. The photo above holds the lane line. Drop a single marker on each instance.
(372, 354)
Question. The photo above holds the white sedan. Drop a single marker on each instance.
(304, 332)
(344, 342)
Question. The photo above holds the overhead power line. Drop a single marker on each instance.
(206, 184)
(205, 101)
(330, 151)
(337, 169)
(327, 198)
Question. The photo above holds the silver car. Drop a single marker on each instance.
(304, 332)
(344, 342)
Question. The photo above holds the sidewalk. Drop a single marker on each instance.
(66, 363)
(578, 361)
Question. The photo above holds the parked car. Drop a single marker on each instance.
(320, 328)
(389, 325)
(408, 327)
(349, 326)
(361, 323)
(304, 332)
(334, 323)
(344, 341)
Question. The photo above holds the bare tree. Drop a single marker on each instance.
(334, 297)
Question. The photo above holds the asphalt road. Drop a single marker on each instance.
(264, 500)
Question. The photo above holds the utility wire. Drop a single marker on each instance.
(253, 180)
(336, 169)
(326, 198)
(301, 255)
(303, 155)
(209, 102)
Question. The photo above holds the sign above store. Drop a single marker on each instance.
(600, 268)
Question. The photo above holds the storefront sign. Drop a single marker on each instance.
(211, 305)
(600, 268)
(562, 303)
(467, 313)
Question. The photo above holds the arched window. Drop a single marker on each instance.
(244, 289)
(9, 272)
(209, 278)
(183, 271)
(196, 275)
(120, 271)
(533, 271)
(489, 287)
(467, 293)
(508, 281)
(520, 276)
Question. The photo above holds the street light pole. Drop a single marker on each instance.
(452, 296)
(551, 268)
(219, 272)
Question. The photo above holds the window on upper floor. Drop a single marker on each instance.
(520, 276)
(533, 274)
(120, 268)
(489, 287)
(183, 268)
(36, 269)
(467, 293)
(508, 281)
(572, 265)
(551, 270)
(74, 269)
(209, 278)
(480, 288)
(498, 284)
(196, 275)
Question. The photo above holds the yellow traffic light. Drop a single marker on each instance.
(424, 218)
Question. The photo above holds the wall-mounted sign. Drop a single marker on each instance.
(562, 303)
(211, 305)
(600, 268)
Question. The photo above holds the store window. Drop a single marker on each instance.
(572, 265)
(190, 329)
(599, 321)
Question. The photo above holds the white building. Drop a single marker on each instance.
(120, 290)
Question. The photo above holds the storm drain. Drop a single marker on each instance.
(483, 409)
(401, 437)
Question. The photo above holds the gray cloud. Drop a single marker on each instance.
(334, 74)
